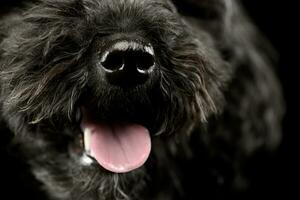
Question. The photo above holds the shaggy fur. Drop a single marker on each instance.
(213, 106)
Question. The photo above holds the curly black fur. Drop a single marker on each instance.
(213, 105)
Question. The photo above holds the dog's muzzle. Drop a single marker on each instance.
(128, 63)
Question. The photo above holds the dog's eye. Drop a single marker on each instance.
(204, 9)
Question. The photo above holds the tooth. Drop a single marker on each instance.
(85, 160)
(87, 140)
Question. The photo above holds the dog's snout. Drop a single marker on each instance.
(128, 63)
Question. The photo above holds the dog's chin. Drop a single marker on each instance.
(115, 146)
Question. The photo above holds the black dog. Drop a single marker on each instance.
(138, 99)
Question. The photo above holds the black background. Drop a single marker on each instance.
(278, 20)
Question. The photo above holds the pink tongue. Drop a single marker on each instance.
(118, 148)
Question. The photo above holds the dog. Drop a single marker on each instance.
(138, 99)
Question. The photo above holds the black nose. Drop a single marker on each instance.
(128, 63)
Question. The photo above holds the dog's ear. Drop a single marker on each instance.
(205, 9)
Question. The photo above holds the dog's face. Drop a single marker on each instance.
(95, 80)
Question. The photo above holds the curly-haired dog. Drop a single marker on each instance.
(135, 99)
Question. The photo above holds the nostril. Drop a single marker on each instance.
(145, 62)
(113, 61)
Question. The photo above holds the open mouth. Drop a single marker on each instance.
(117, 147)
